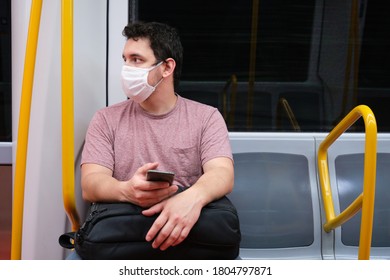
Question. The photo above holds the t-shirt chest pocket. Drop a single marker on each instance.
(187, 160)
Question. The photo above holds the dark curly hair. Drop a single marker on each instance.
(164, 41)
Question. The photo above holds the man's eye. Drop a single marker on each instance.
(132, 60)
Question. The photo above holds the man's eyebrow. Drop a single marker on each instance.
(132, 55)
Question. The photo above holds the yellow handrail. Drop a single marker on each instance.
(68, 115)
(352, 58)
(365, 200)
(228, 115)
(23, 130)
(283, 103)
(252, 62)
(233, 97)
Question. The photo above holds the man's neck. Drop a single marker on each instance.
(160, 103)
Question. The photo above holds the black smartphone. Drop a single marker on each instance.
(158, 175)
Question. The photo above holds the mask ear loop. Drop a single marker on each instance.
(158, 64)
(159, 82)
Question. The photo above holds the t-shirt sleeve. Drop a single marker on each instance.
(99, 143)
(215, 138)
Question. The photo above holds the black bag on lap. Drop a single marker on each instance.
(117, 231)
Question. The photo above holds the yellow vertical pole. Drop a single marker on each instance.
(252, 62)
(23, 129)
(352, 58)
(233, 101)
(369, 182)
(68, 113)
(356, 52)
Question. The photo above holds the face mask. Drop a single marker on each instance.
(135, 82)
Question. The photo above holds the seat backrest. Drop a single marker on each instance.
(276, 197)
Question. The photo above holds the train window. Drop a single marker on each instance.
(280, 65)
(374, 66)
(217, 39)
(231, 45)
(374, 70)
(5, 71)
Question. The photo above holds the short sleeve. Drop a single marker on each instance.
(215, 138)
(99, 142)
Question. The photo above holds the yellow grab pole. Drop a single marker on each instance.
(233, 100)
(68, 114)
(369, 182)
(353, 52)
(252, 62)
(23, 129)
(364, 201)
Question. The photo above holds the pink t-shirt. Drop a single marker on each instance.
(123, 137)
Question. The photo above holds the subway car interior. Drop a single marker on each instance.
(303, 87)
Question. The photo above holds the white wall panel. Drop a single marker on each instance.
(44, 216)
(118, 14)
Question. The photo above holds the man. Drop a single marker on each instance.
(156, 128)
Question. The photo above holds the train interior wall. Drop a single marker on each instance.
(289, 157)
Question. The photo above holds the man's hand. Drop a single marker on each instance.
(99, 185)
(147, 193)
(178, 216)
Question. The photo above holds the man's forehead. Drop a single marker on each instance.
(140, 47)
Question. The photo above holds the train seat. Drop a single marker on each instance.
(276, 197)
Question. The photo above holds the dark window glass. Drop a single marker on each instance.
(374, 71)
(216, 37)
(374, 67)
(298, 70)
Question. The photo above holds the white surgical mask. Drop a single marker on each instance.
(135, 82)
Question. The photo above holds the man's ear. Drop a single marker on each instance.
(170, 65)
